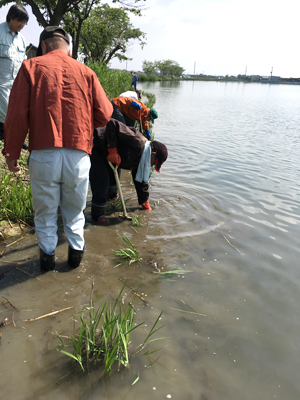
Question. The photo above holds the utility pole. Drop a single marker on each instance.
(194, 67)
(271, 72)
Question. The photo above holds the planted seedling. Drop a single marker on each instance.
(126, 254)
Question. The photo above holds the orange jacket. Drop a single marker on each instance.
(124, 104)
(59, 100)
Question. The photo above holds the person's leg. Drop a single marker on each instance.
(74, 188)
(142, 188)
(99, 180)
(45, 175)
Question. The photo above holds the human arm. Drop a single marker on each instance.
(103, 108)
(17, 118)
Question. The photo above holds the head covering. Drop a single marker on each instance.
(153, 114)
(161, 154)
(50, 32)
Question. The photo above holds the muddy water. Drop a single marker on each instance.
(226, 210)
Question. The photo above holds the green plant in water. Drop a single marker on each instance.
(126, 254)
(109, 343)
(136, 220)
(115, 205)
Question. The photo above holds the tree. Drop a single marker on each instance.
(169, 68)
(164, 68)
(53, 12)
(107, 33)
(149, 67)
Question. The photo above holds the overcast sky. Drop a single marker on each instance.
(213, 37)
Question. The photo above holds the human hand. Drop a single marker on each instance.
(113, 156)
(12, 165)
(147, 132)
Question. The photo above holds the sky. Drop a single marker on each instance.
(224, 37)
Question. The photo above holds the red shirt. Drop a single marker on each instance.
(59, 101)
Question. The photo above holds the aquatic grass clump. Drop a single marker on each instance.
(115, 205)
(126, 254)
(16, 198)
(136, 221)
(104, 336)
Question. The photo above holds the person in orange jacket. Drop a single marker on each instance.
(128, 110)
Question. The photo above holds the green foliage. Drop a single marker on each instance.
(114, 82)
(71, 14)
(126, 254)
(149, 68)
(164, 68)
(136, 221)
(107, 344)
(16, 198)
(107, 33)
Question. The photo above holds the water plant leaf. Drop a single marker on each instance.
(175, 271)
(135, 381)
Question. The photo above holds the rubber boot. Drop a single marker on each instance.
(98, 212)
(47, 261)
(74, 257)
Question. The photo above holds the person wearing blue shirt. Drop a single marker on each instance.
(134, 80)
(12, 54)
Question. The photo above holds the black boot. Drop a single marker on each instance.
(47, 261)
(98, 211)
(74, 257)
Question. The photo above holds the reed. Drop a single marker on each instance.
(104, 336)
(125, 254)
(136, 221)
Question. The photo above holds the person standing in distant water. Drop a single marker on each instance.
(134, 80)
(12, 54)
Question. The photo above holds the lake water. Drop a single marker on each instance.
(226, 210)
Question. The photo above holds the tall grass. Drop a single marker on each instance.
(114, 82)
(104, 336)
(15, 193)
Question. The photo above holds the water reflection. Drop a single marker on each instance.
(225, 208)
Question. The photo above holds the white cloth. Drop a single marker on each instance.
(129, 93)
(143, 171)
(12, 54)
(59, 176)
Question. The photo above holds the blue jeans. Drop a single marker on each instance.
(59, 176)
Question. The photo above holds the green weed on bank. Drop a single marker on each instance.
(15, 193)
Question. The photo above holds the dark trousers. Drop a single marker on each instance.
(103, 182)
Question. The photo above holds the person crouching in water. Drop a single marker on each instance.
(129, 149)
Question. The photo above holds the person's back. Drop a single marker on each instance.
(60, 101)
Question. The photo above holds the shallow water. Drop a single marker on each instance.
(226, 209)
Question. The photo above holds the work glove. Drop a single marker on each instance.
(146, 205)
(136, 105)
(113, 156)
(148, 134)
